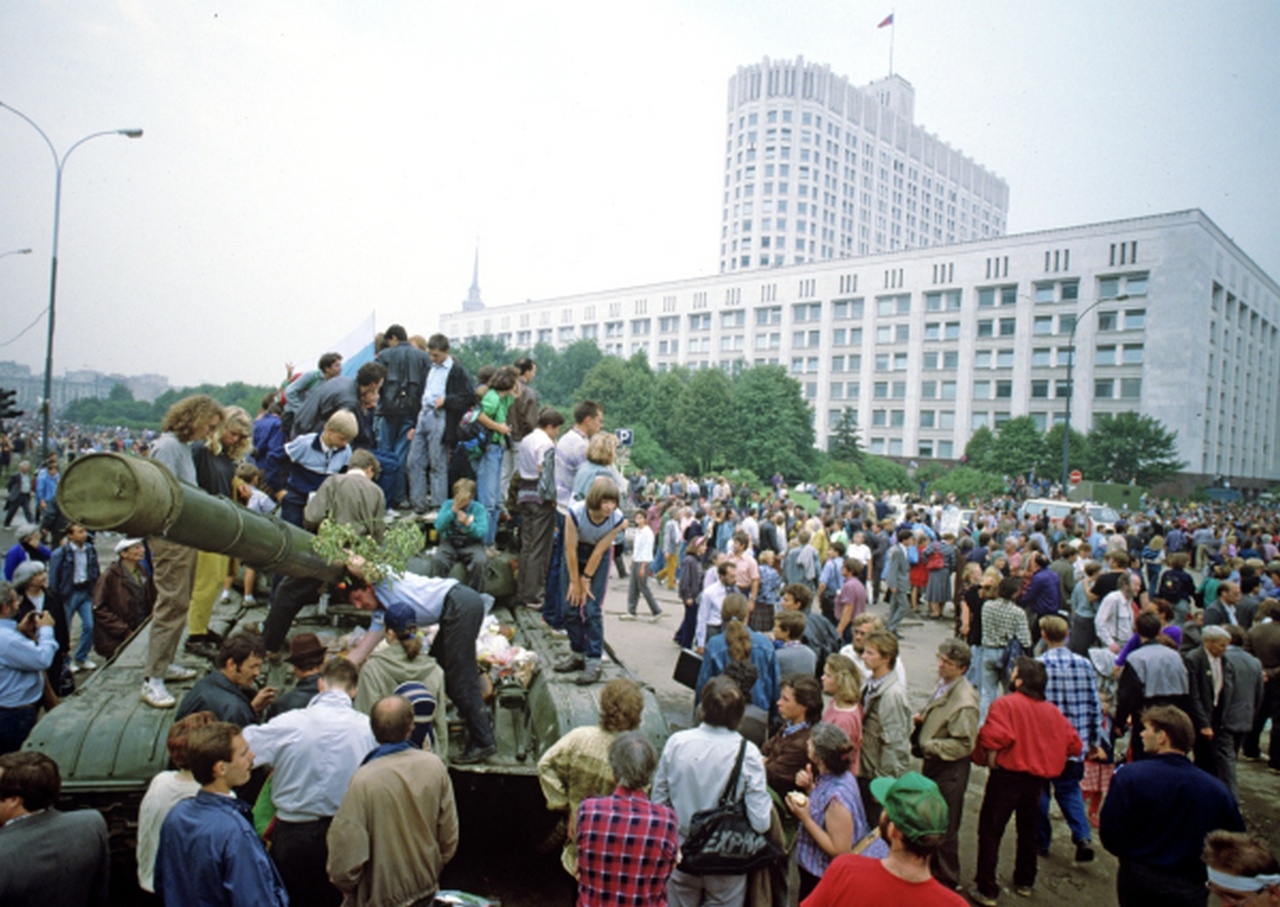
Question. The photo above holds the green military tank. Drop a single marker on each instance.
(109, 744)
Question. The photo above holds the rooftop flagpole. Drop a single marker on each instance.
(888, 20)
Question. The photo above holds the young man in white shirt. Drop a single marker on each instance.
(641, 561)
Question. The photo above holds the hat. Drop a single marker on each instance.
(126, 543)
(424, 712)
(400, 618)
(25, 531)
(25, 571)
(305, 646)
(913, 803)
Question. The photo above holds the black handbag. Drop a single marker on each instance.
(721, 840)
(688, 667)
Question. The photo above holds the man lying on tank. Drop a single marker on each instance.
(229, 691)
(458, 610)
(461, 526)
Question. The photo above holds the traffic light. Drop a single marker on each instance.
(7, 403)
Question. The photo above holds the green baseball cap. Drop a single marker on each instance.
(913, 803)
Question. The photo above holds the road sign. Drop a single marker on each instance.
(624, 436)
(1076, 476)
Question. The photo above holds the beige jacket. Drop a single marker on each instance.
(950, 727)
(395, 830)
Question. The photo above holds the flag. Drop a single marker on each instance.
(888, 20)
(357, 347)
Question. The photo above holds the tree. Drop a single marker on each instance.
(1129, 447)
(885, 475)
(647, 453)
(120, 393)
(704, 426)
(977, 452)
(662, 405)
(967, 483)
(772, 424)
(623, 388)
(843, 443)
(1051, 464)
(477, 352)
(560, 375)
(1017, 448)
(842, 473)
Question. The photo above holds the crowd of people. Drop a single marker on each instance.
(1083, 663)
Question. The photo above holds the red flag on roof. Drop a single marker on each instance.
(888, 20)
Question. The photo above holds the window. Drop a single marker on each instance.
(1066, 324)
(986, 328)
(1045, 292)
(879, 418)
(768, 341)
(807, 311)
(928, 418)
(925, 449)
(897, 418)
(946, 449)
(947, 420)
(1040, 356)
(669, 324)
(884, 333)
(979, 420)
(932, 330)
(1062, 389)
(731, 343)
(902, 333)
(1130, 388)
(951, 330)
(1106, 355)
(1004, 390)
(880, 390)
(982, 359)
(806, 339)
(929, 361)
(639, 326)
(589, 332)
(613, 329)
(951, 359)
(898, 390)
(1104, 388)
(733, 319)
(700, 321)
(1070, 290)
(1135, 319)
(668, 346)
(1042, 325)
(982, 390)
(948, 390)
(1133, 354)
(986, 297)
(1106, 322)
(1008, 327)
(1004, 359)
(771, 315)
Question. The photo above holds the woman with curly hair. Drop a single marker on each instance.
(189, 420)
(577, 765)
(216, 460)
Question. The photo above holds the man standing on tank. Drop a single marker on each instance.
(399, 402)
(446, 399)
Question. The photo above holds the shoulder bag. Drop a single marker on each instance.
(721, 840)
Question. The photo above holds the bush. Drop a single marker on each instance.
(967, 483)
(885, 475)
(844, 474)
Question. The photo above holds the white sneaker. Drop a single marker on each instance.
(155, 695)
(85, 665)
(178, 673)
(249, 601)
(225, 596)
(627, 616)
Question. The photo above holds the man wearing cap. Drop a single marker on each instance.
(1025, 741)
(26, 651)
(913, 824)
(26, 547)
(123, 597)
(459, 611)
(306, 654)
(314, 751)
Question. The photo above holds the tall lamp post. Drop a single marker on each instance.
(15, 252)
(1071, 387)
(58, 163)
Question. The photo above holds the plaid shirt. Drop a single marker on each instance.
(1002, 620)
(1073, 688)
(627, 848)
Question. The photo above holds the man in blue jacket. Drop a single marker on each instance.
(209, 853)
(73, 572)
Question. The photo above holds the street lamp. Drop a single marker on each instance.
(1071, 388)
(15, 252)
(58, 164)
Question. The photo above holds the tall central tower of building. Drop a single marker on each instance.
(817, 169)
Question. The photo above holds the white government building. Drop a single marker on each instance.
(908, 305)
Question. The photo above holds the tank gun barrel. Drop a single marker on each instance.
(137, 497)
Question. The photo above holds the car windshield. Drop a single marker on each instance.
(1103, 514)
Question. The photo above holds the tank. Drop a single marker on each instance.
(109, 744)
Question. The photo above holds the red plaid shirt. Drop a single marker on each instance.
(627, 848)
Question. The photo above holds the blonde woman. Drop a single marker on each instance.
(216, 460)
(842, 681)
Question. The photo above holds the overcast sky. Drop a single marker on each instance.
(306, 163)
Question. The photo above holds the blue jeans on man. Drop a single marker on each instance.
(428, 464)
(393, 439)
(585, 623)
(553, 601)
(1066, 788)
(488, 478)
(81, 603)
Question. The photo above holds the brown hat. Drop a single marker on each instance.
(304, 647)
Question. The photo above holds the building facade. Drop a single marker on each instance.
(1171, 319)
(819, 169)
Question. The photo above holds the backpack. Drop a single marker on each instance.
(1013, 650)
(1169, 589)
(473, 437)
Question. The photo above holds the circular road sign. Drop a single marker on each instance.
(1076, 476)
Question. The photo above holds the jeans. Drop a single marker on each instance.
(584, 623)
(488, 478)
(553, 601)
(81, 603)
(1066, 788)
(1008, 794)
(472, 555)
(393, 439)
(992, 679)
(389, 476)
(428, 464)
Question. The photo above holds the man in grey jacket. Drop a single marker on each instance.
(898, 582)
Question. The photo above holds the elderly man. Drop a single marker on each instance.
(46, 856)
(1224, 701)
(209, 853)
(314, 751)
(1157, 814)
(398, 824)
(692, 772)
(27, 650)
(627, 845)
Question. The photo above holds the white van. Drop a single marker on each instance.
(1056, 510)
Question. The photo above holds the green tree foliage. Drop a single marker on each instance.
(560, 374)
(1131, 447)
(647, 453)
(477, 352)
(1017, 448)
(120, 393)
(885, 475)
(623, 387)
(842, 473)
(703, 427)
(772, 425)
(978, 451)
(662, 405)
(1051, 464)
(843, 443)
(967, 483)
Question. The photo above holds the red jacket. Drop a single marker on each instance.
(1028, 735)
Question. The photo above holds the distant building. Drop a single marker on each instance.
(75, 385)
(818, 169)
(926, 345)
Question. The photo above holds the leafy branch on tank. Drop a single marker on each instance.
(340, 542)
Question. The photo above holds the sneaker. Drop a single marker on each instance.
(1023, 891)
(536, 606)
(979, 898)
(76, 667)
(225, 596)
(249, 601)
(570, 664)
(559, 633)
(178, 673)
(85, 665)
(1084, 853)
(590, 674)
(474, 754)
(654, 618)
(155, 695)
(627, 616)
